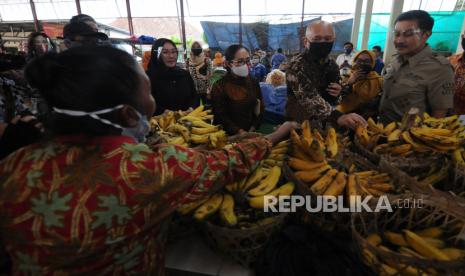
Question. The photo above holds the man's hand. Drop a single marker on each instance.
(351, 121)
(334, 89)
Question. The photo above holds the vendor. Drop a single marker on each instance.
(172, 87)
(90, 200)
(364, 87)
(236, 98)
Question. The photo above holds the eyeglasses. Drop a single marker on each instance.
(241, 61)
(406, 33)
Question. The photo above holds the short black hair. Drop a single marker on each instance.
(87, 78)
(377, 47)
(82, 18)
(280, 50)
(231, 52)
(349, 43)
(424, 20)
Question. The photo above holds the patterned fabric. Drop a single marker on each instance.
(201, 72)
(98, 206)
(307, 80)
(11, 100)
(458, 63)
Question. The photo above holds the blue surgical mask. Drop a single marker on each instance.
(139, 132)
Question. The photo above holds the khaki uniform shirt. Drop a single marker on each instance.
(425, 81)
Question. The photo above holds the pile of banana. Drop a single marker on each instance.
(189, 128)
(312, 164)
(240, 204)
(428, 243)
(426, 135)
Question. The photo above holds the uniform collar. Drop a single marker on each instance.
(413, 61)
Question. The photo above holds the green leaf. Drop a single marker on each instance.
(27, 264)
(32, 176)
(170, 151)
(114, 209)
(136, 151)
(47, 208)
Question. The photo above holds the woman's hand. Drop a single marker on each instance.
(281, 132)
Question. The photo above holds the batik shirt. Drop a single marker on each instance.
(11, 100)
(98, 206)
(307, 81)
(458, 63)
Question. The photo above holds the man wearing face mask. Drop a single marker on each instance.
(313, 81)
(344, 60)
(258, 70)
(458, 62)
(416, 77)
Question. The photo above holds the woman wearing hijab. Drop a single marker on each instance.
(172, 86)
(92, 199)
(364, 87)
(200, 68)
(236, 98)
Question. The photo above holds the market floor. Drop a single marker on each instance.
(191, 256)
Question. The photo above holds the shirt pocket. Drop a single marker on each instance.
(408, 93)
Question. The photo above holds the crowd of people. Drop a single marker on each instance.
(81, 193)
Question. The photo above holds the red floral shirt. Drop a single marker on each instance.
(458, 63)
(98, 206)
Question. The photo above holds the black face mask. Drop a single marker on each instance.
(463, 43)
(196, 51)
(365, 68)
(319, 49)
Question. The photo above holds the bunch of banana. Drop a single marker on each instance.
(428, 243)
(277, 155)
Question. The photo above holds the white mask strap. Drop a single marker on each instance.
(94, 114)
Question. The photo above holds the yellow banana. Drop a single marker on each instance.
(307, 132)
(435, 242)
(267, 184)
(373, 126)
(210, 207)
(316, 152)
(390, 128)
(331, 142)
(281, 150)
(458, 157)
(175, 141)
(259, 201)
(199, 139)
(454, 253)
(200, 123)
(337, 186)
(191, 206)
(310, 176)
(227, 214)
(409, 252)
(253, 179)
(304, 165)
(401, 149)
(394, 135)
(204, 130)
(197, 110)
(388, 270)
(351, 186)
(177, 128)
(362, 135)
(423, 247)
(374, 239)
(317, 136)
(282, 144)
(432, 232)
(395, 238)
(320, 186)
(416, 146)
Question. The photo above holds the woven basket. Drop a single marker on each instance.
(438, 209)
(243, 245)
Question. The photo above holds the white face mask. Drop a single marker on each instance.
(241, 71)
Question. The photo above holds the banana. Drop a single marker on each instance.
(316, 152)
(259, 201)
(304, 165)
(337, 186)
(331, 142)
(253, 179)
(273, 163)
(432, 232)
(282, 144)
(227, 214)
(362, 135)
(317, 136)
(320, 186)
(409, 252)
(177, 128)
(394, 136)
(382, 187)
(199, 139)
(453, 253)
(436, 131)
(351, 186)
(197, 110)
(210, 207)
(310, 176)
(416, 146)
(381, 148)
(200, 123)
(296, 140)
(401, 149)
(388, 270)
(374, 127)
(458, 157)
(390, 128)
(395, 238)
(281, 150)
(437, 176)
(191, 206)
(374, 239)
(204, 130)
(307, 132)
(423, 247)
(365, 174)
(277, 157)
(267, 184)
(435, 242)
(231, 187)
